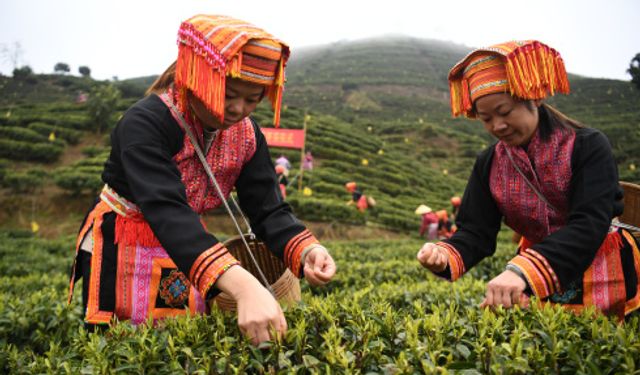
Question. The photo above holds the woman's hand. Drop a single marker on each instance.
(433, 257)
(260, 317)
(507, 290)
(319, 266)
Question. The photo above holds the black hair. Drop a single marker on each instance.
(550, 118)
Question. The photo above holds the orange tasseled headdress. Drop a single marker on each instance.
(526, 69)
(214, 47)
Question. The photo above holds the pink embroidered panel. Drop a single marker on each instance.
(548, 167)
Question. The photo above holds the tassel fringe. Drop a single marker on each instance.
(133, 231)
(201, 68)
(534, 71)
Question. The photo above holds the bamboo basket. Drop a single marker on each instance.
(631, 214)
(285, 285)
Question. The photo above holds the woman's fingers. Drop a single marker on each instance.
(326, 270)
(311, 277)
(515, 296)
(442, 260)
(433, 257)
(259, 332)
(505, 298)
(505, 290)
(488, 299)
(319, 267)
(283, 325)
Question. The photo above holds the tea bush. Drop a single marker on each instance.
(382, 314)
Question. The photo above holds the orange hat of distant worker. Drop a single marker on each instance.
(455, 201)
(350, 186)
(442, 215)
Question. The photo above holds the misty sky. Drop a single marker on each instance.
(131, 38)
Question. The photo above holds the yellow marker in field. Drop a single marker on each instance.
(307, 192)
(52, 137)
(35, 227)
(365, 162)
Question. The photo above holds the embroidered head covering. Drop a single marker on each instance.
(526, 69)
(211, 48)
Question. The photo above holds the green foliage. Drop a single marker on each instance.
(77, 180)
(404, 82)
(382, 313)
(23, 73)
(634, 70)
(84, 71)
(4, 166)
(24, 181)
(61, 68)
(70, 135)
(84, 176)
(612, 107)
(102, 105)
(21, 134)
(92, 151)
(319, 209)
(28, 151)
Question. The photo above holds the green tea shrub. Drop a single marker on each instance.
(29, 151)
(78, 180)
(70, 135)
(24, 181)
(383, 313)
(21, 134)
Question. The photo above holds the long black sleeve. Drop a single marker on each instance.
(478, 220)
(594, 199)
(259, 194)
(141, 169)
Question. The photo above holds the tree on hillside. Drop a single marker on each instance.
(61, 68)
(22, 73)
(84, 71)
(634, 70)
(102, 104)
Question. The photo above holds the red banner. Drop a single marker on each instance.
(286, 138)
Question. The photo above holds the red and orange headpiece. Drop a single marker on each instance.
(526, 69)
(214, 47)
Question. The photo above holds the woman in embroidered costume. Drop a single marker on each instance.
(551, 179)
(142, 250)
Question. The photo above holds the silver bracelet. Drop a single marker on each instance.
(308, 249)
(515, 269)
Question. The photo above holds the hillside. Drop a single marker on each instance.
(378, 114)
(401, 91)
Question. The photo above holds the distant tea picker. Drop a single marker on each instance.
(549, 178)
(362, 201)
(429, 224)
(143, 250)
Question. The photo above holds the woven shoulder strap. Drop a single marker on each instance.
(178, 116)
